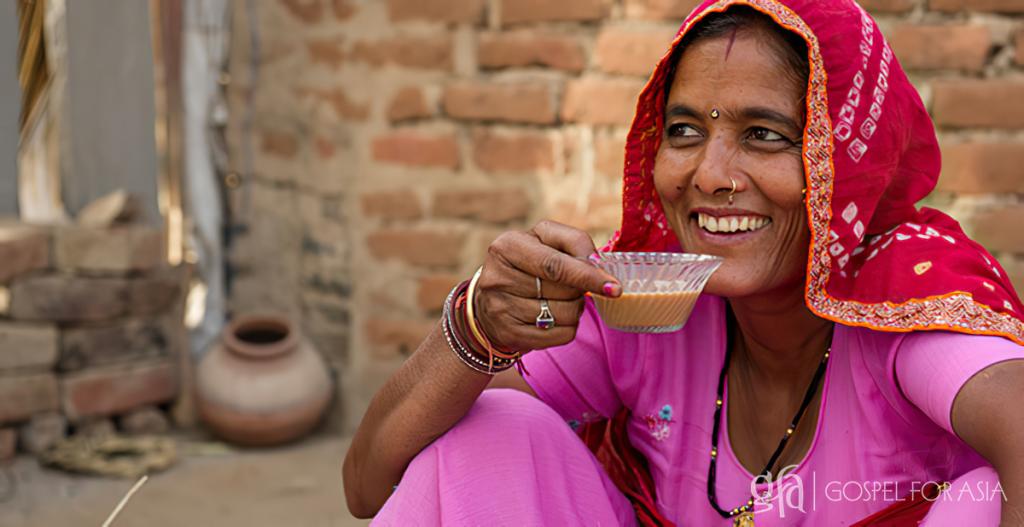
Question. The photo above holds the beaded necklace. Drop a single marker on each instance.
(744, 517)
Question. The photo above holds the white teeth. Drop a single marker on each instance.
(731, 224)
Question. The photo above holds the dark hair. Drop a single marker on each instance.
(790, 46)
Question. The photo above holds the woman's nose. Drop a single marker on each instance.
(712, 174)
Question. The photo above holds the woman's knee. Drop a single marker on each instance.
(513, 408)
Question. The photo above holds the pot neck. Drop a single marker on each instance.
(261, 336)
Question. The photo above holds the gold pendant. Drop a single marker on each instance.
(745, 519)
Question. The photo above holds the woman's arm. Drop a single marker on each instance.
(428, 394)
(988, 414)
(434, 389)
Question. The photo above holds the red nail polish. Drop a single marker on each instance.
(609, 289)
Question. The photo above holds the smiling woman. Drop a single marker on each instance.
(848, 341)
(737, 132)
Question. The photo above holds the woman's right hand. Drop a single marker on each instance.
(506, 302)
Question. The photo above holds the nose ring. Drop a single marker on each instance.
(733, 191)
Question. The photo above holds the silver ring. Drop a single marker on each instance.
(545, 320)
(540, 295)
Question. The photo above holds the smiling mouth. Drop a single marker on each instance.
(731, 224)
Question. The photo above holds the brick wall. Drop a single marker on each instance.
(383, 144)
(90, 332)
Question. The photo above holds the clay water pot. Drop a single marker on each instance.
(262, 384)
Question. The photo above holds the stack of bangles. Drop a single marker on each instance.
(465, 337)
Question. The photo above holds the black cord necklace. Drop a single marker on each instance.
(744, 516)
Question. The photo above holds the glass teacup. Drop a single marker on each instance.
(659, 290)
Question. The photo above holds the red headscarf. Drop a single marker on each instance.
(869, 154)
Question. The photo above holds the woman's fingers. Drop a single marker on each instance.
(506, 302)
(525, 310)
(508, 279)
(539, 253)
(509, 321)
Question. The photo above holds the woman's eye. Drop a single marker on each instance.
(764, 134)
(682, 130)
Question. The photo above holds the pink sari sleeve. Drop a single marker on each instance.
(576, 379)
(932, 366)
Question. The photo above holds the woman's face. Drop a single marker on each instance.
(755, 142)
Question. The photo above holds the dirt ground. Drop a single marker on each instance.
(210, 485)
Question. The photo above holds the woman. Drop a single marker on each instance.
(849, 350)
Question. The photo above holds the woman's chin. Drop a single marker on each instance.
(726, 286)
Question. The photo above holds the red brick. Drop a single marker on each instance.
(528, 11)
(1014, 267)
(22, 395)
(337, 100)
(391, 338)
(324, 147)
(887, 6)
(603, 212)
(675, 10)
(519, 152)
(342, 9)
(982, 168)
(941, 47)
(116, 250)
(601, 101)
(430, 248)
(978, 103)
(523, 102)
(408, 103)
(632, 51)
(125, 340)
(64, 298)
(153, 293)
(116, 389)
(392, 205)
(308, 11)
(491, 205)
(23, 249)
(27, 346)
(280, 144)
(991, 6)
(329, 52)
(528, 48)
(998, 228)
(410, 52)
(8, 443)
(1019, 40)
(434, 288)
(417, 149)
(610, 155)
(452, 11)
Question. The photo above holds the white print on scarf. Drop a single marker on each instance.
(899, 234)
(837, 249)
(844, 129)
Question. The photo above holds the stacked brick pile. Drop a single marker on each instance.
(383, 144)
(89, 332)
